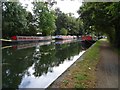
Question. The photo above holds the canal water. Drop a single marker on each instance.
(37, 64)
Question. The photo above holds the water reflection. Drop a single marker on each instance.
(24, 66)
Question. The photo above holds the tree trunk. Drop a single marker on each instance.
(117, 36)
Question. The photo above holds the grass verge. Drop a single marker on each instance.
(82, 75)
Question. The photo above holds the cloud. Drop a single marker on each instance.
(69, 6)
(66, 6)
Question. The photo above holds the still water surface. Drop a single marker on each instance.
(37, 65)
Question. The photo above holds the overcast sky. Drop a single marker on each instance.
(69, 6)
(66, 6)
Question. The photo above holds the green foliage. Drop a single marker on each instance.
(65, 82)
(102, 17)
(79, 86)
(63, 31)
(71, 24)
(44, 18)
(18, 21)
(80, 77)
(14, 20)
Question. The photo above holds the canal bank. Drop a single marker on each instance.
(82, 73)
(98, 69)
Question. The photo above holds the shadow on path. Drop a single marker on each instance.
(107, 69)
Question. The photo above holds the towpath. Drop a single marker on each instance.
(107, 68)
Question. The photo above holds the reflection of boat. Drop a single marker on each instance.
(86, 44)
(27, 45)
(6, 47)
(23, 46)
(60, 37)
(63, 41)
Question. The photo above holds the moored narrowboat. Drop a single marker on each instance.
(88, 38)
(61, 37)
(31, 38)
(25, 39)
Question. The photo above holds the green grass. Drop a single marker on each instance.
(65, 82)
(79, 86)
(85, 77)
(83, 74)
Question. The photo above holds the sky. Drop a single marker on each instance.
(69, 6)
(66, 6)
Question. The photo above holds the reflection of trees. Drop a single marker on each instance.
(17, 62)
(66, 51)
(53, 56)
(45, 61)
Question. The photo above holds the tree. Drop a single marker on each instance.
(45, 19)
(61, 21)
(104, 17)
(14, 20)
(31, 30)
(63, 31)
(67, 22)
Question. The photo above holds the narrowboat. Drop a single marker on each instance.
(31, 38)
(26, 39)
(87, 40)
(61, 37)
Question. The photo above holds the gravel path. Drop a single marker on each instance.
(107, 69)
